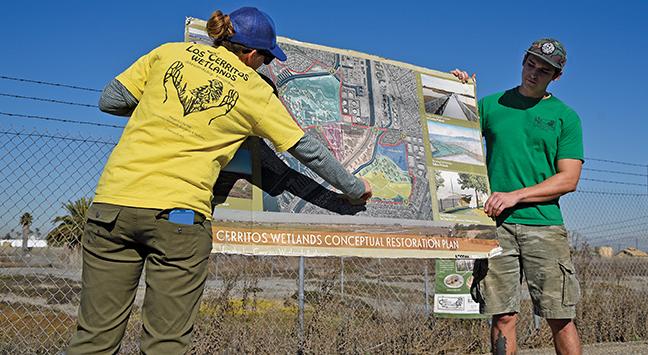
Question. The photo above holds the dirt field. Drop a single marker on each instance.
(250, 305)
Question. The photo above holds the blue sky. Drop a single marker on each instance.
(87, 43)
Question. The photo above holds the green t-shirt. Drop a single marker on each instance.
(525, 138)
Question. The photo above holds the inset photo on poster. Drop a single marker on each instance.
(234, 189)
(449, 98)
(465, 265)
(461, 193)
(241, 167)
(455, 143)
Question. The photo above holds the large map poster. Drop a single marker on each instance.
(413, 133)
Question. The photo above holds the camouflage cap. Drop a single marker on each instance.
(551, 50)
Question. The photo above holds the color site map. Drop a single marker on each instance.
(375, 116)
(366, 113)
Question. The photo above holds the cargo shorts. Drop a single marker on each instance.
(541, 254)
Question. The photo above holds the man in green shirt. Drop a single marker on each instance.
(534, 156)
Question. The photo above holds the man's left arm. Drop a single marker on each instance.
(565, 181)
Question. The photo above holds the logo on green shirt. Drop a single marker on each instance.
(546, 125)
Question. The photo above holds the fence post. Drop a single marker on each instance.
(301, 306)
(342, 276)
(427, 291)
(537, 321)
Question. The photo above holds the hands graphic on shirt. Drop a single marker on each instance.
(202, 98)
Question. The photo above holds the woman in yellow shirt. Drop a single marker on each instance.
(191, 106)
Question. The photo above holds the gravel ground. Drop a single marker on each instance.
(629, 348)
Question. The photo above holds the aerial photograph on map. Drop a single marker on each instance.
(461, 193)
(366, 112)
(449, 98)
(455, 143)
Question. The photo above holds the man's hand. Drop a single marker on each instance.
(463, 76)
(499, 201)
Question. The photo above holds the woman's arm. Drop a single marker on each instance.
(318, 158)
(117, 100)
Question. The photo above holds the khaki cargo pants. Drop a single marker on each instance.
(541, 254)
(118, 243)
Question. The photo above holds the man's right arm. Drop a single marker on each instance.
(565, 181)
(117, 100)
(463, 76)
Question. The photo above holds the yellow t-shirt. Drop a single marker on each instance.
(197, 104)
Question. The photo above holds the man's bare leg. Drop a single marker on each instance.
(565, 336)
(503, 335)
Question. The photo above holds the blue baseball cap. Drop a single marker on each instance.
(253, 28)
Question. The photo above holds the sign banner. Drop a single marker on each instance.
(452, 289)
(412, 132)
(322, 242)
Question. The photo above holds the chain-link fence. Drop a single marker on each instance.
(351, 305)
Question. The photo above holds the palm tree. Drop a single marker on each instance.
(25, 222)
(70, 228)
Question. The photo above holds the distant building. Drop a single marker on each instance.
(17, 243)
(452, 201)
(605, 252)
(632, 252)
